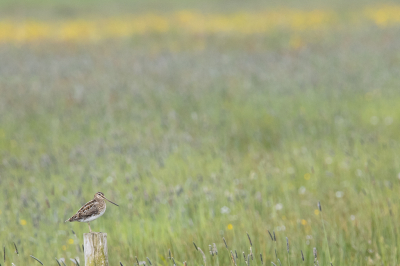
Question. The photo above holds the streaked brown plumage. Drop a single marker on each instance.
(91, 210)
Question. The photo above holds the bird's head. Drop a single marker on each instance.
(100, 195)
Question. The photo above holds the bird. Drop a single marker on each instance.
(91, 210)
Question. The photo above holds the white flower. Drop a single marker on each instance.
(339, 194)
(75, 260)
(225, 210)
(278, 206)
(280, 228)
(302, 190)
(388, 121)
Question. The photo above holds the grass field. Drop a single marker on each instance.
(208, 128)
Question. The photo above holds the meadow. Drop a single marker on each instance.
(203, 122)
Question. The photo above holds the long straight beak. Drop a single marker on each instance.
(112, 202)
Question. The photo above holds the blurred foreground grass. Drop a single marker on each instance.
(200, 137)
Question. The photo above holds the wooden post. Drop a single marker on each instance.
(96, 253)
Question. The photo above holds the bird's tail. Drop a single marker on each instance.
(72, 219)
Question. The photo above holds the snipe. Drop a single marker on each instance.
(91, 210)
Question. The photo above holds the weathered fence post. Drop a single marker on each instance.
(96, 253)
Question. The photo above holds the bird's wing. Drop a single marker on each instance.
(91, 208)
(87, 210)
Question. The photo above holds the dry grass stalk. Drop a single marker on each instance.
(287, 244)
(36, 259)
(248, 236)
(316, 263)
(204, 256)
(274, 240)
(226, 245)
(233, 258)
(16, 250)
(270, 235)
(287, 247)
(215, 250)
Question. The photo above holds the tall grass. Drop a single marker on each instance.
(243, 135)
(326, 236)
